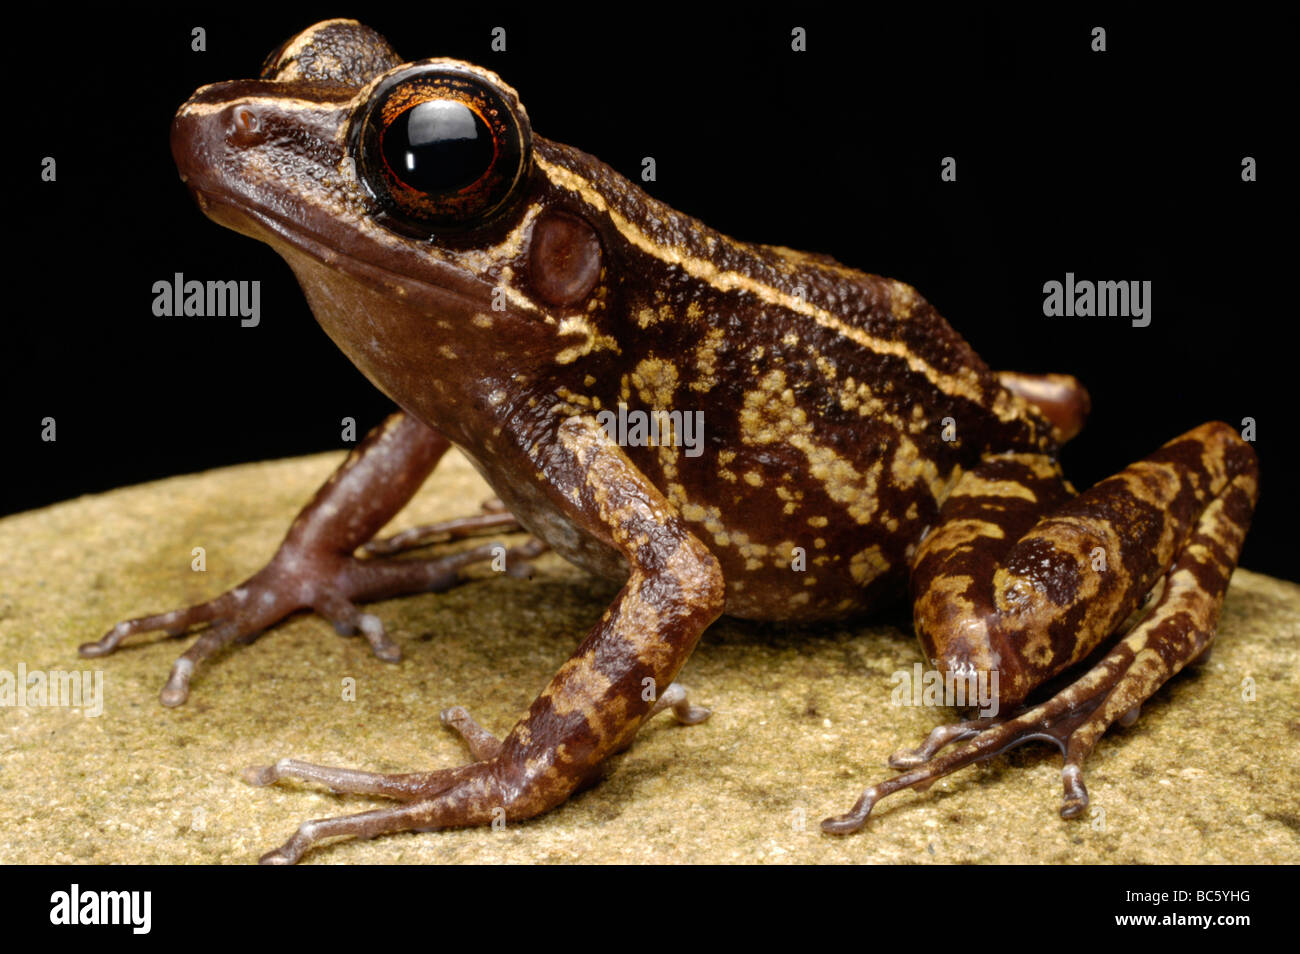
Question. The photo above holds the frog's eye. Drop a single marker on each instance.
(441, 148)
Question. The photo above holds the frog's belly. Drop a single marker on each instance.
(564, 536)
(780, 566)
(538, 515)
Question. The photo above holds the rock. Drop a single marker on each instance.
(802, 716)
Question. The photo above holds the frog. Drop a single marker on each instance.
(515, 297)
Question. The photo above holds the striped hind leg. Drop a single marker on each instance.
(1030, 604)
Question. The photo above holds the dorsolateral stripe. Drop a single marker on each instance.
(705, 270)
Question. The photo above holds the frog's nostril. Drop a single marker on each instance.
(245, 126)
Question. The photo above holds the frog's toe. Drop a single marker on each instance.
(940, 738)
(177, 687)
(173, 624)
(240, 614)
(674, 698)
(494, 516)
(375, 578)
(452, 798)
(424, 815)
(403, 787)
(483, 746)
(348, 620)
(482, 743)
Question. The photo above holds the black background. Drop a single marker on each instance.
(1122, 165)
(234, 908)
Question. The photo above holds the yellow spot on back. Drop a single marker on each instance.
(867, 565)
(768, 417)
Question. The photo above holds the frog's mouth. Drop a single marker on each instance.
(436, 284)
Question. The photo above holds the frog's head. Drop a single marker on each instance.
(407, 199)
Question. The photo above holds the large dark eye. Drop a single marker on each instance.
(440, 148)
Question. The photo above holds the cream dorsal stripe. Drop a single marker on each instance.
(734, 281)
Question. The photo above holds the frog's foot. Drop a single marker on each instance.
(327, 583)
(494, 517)
(1074, 719)
(449, 798)
(483, 744)
(473, 794)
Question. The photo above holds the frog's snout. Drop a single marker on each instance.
(217, 131)
(207, 126)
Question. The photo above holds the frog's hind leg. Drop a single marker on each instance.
(992, 597)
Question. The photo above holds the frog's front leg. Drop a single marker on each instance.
(1024, 579)
(315, 568)
(594, 705)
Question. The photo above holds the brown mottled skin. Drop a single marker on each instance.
(853, 444)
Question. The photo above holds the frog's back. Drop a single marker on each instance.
(680, 280)
(836, 407)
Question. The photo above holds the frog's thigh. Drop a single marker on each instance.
(1024, 578)
(996, 590)
(601, 695)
